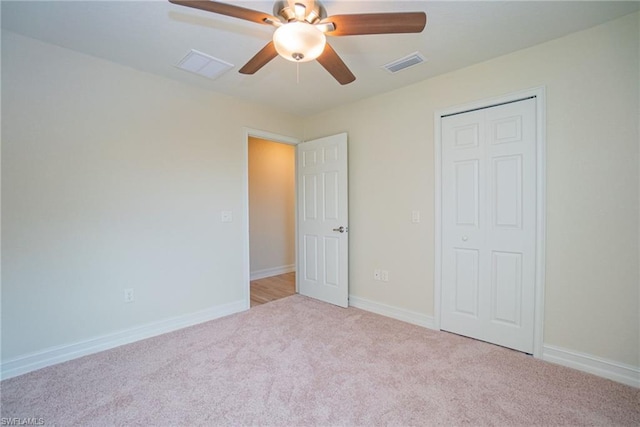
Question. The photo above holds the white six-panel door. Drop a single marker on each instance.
(489, 224)
(323, 238)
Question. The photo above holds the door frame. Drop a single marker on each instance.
(540, 94)
(256, 133)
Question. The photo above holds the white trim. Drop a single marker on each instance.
(437, 269)
(616, 371)
(540, 94)
(246, 262)
(54, 355)
(274, 271)
(257, 133)
(408, 316)
(541, 219)
(297, 217)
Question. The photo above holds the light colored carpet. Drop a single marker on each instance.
(300, 362)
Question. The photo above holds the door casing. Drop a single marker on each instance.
(539, 94)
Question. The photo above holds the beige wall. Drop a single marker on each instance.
(272, 204)
(592, 283)
(114, 179)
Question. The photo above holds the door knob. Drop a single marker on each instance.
(465, 238)
(340, 229)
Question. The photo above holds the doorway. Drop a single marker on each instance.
(272, 222)
(490, 220)
(321, 222)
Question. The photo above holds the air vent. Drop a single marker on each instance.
(203, 64)
(404, 63)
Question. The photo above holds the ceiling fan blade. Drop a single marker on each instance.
(260, 59)
(228, 10)
(335, 66)
(377, 23)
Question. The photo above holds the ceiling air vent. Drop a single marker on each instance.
(203, 64)
(404, 63)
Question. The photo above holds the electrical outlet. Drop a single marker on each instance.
(226, 216)
(128, 295)
(384, 275)
(415, 216)
(376, 274)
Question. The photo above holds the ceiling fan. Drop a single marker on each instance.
(302, 26)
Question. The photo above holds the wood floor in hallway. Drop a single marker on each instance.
(272, 288)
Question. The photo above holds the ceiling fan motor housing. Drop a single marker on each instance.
(314, 11)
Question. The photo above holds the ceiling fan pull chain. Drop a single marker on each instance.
(297, 72)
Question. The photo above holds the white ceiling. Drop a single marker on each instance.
(152, 36)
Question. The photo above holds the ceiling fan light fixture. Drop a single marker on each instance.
(299, 41)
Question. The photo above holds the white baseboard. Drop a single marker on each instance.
(274, 271)
(616, 371)
(393, 312)
(63, 353)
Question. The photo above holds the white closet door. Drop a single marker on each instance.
(489, 224)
